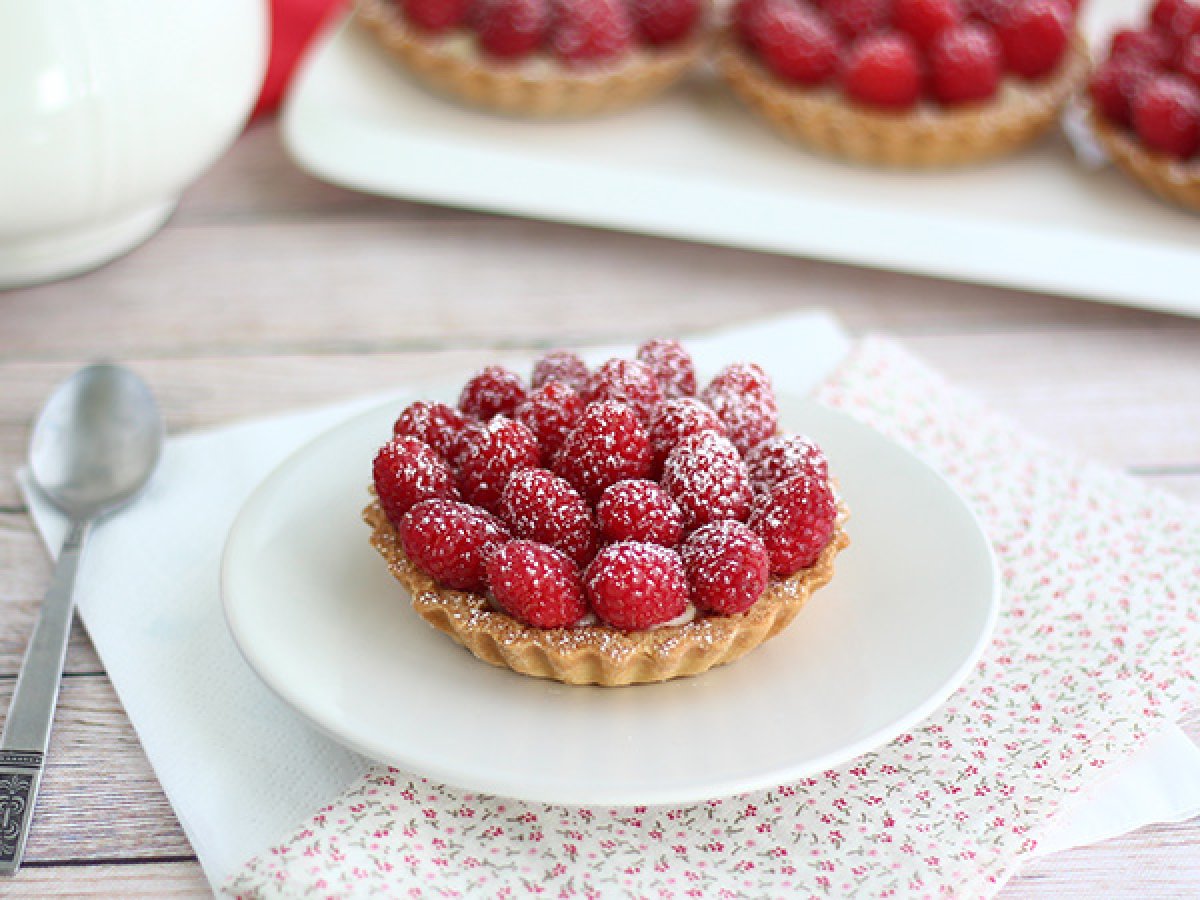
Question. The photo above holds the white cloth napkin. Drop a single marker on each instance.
(242, 769)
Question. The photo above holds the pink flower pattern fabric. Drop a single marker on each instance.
(1095, 648)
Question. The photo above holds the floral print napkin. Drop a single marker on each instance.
(1096, 647)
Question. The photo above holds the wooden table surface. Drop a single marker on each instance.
(269, 290)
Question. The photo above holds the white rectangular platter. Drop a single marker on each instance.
(694, 165)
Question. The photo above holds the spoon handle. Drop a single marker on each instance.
(31, 713)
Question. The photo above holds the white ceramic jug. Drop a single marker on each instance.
(108, 110)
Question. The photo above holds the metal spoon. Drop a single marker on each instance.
(94, 446)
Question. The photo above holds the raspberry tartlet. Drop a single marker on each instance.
(1145, 102)
(905, 83)
(637, 534)
(545, 59)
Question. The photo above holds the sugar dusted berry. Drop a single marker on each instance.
(794, 41)
(965, 65)
(795, 521)
(492, 391)
(779, 458)
(989, 12)
(1166, 116)
(1144, 43)
(1034, 36)
(634, 586)
(407, 471)
(671, 365)
(538, 505)
(550, 412)
(744, 400)
(639, 510)
(882, 70)
(854, 18)
(560, 365)
(625, 381)
(489, 458)
(707, 479)
(536, 584)
(437, 424)
(608, 445)
(1174, 18)
(511, 29)
(664, 22)
(924, 20)
(435, 16)
(1114, 85)
(727, 567)
(451, 541)
(1189, 60)
(677, 419)
(588, 32)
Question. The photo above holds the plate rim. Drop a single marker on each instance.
(583, 794)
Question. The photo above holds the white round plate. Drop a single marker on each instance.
(319, 618)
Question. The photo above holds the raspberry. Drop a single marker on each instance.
(1189, 60)
(492, 391)
(677, 419)
(511, 29)
(1034, 36)
(663, 22)
(794, 41)
(779, 458)
(633, 586)
(408, 471)
(437, 424)
(924, 20)
(591, 31)
(624, 381)
(536, 584)
(542, 507)
(795, 522)
(671, 365)
(727, 567)
(451, 541)
(965, 64)
(742, 397)
(854, 18)
(560, 365)
(639, 510)
(707, 479)
(489, 458)
(1145, 43)
(550, 412)
(608, 445)
(1166, 116)
(989, 12)
(435, 15)
(1114, 85)
(471, 434)
(882, 70)
(1175, 18)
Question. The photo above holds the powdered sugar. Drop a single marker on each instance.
(706, 477)
(783, 456)
(672, 366)
(491, 391)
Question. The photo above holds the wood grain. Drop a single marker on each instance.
(99, 797)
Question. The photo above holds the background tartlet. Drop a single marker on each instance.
(1145, 102)
(944, 92)
(535, 85)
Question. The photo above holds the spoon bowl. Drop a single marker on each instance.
(96, 441)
